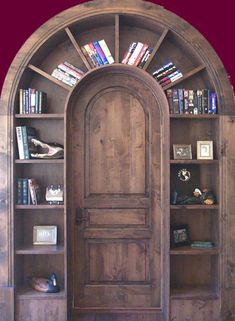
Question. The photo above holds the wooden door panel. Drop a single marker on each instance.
(116, 218)
(115, 143)
(116, 166)
(118, 261)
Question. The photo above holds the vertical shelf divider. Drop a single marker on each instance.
(77, 48)
(117, 37)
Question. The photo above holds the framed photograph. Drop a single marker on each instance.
(205, 149)
(180, 235)
(182, 151)
(45, 235)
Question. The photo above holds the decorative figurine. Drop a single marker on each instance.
(45, 285)
(55, 194)
(199, 197)
(47, 150)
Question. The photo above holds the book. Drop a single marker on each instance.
(29, 101)
(135, 53)
(106, 51)
(145, 57)
(202, 244)
(212, 108)
(88, 52)
(140, 55)
(95, 54)
(19, 198)
(172, 79)
(129, 52)
(100, 52)
(64, 77)
(34, 191)
(170, 100)
(70, 71)
(68, 64)
(162, 69)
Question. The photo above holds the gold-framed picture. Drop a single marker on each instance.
(205, 149)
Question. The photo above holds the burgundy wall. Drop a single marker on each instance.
(19, 19)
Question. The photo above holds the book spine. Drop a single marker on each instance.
(87, 56)
(163, 68)
(213, 103)
(21, 101)
(135, 53)
(31, 186)
(199, 101)
(19, 199)
(94, 51)
(170, 100)
(175, 98)
(100, 52)
(20, 144)
(71, 72)
(164, 75)
(106, 51)
(141, 54)
(172, 79)
(145, 57)
(129, 52)
(25, 191)
(91, 55)
(64, 77)
(78, 70)
(25, 141)
(181, 100)
(205, 101)
(33, 100)
(26, 101)
(186, 102)
(169, 76)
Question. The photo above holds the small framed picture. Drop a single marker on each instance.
(45, 235)
(205, 149)
(180, 235)
(182, 151)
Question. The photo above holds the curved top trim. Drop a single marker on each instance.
(131, 7)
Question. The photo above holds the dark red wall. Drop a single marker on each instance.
(19, 19)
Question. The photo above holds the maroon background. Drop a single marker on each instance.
(215, 20)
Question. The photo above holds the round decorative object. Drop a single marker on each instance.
(184, 175)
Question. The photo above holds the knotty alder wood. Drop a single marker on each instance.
(115, 153)
(126, 209)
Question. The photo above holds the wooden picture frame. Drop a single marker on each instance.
(45, 235)
(180, 235)
(182, 151)
(205, 149)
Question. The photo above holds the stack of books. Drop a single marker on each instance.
(191, 101)
(28, 191)
(137, 54)
(167, 74)
(202, 244)
(67, 73)
(32, 101)
(24, 134)
(97, 53)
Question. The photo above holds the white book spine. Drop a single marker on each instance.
(135, 54)
(71, 72)
(19, 137)
(106, 51)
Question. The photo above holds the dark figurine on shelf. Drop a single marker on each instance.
(45, 285)
(198, 197)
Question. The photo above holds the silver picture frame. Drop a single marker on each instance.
(45, 235)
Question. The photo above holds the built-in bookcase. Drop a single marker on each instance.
(193, 273)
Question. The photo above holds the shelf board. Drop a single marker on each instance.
(40, 207)
(40, 249)
(199, 116)
(29, 293)
(39, 161)
(185, 76)
(187, 250)
(193, 293)
(40, 116)
(194, 161)
(194, 207)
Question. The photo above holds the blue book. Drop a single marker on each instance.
(100, 52)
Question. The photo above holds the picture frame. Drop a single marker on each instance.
(205, 149)
(180, 235)
(45, 235)
(182, 151)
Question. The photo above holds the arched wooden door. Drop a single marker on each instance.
(118, 195)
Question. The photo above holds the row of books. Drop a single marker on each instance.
(137, 54)
(67, 73)
(167, 74)
(24, 134)
(28, 191)
(202, 244)
(32, 101)
(97, 53)
(191, 101)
